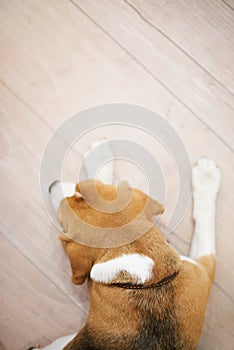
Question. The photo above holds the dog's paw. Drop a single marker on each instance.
(59, 190)
(206, 178)
(100, 166)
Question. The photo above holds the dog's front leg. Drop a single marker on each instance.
(206, 182)
(58, 344)
(82, 341)
(101, 162)
(59, 190)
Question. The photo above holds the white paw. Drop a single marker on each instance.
(59, 190)
(206, 178)
(100, 166)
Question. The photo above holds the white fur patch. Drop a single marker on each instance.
(59, 190)
(138, 266)
(186, 258)
(206, 183)
(59, 343)
(103, 161)
(206, 178)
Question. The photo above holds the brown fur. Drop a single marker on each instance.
(166, 317)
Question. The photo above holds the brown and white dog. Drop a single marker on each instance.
(143, 295)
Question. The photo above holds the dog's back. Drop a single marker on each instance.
(166, 317)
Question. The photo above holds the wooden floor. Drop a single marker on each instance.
(59, 57)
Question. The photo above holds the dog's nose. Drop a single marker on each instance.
(59, 190)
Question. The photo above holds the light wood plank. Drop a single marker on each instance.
(183, 78)
(48, 75)
(229, 4)
(33, 310)
(22, 146)
(218, 333)
(202, 29)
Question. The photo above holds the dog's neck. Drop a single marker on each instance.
(161, 283)
(135, 264)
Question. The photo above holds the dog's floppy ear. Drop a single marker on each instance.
(64, 238)
(86, 189)
(80, 261)
(153, 208)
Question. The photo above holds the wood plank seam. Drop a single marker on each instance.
(223, 291)
(152, 25)
(151, 74)
(227, 4)
(36, 114)
(84, 311)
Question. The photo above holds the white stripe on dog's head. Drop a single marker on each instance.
(136, 265)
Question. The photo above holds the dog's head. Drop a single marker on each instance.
(102, 208)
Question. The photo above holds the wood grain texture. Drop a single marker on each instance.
(193, 86)
(229, 4)
(29, 297)
(204, 32)
(57, 58)
(34, 234)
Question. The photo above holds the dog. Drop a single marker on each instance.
(143, 294)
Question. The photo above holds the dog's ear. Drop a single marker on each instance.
(80, 261)
(64, 238)
(87, 188)
(153, 208)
